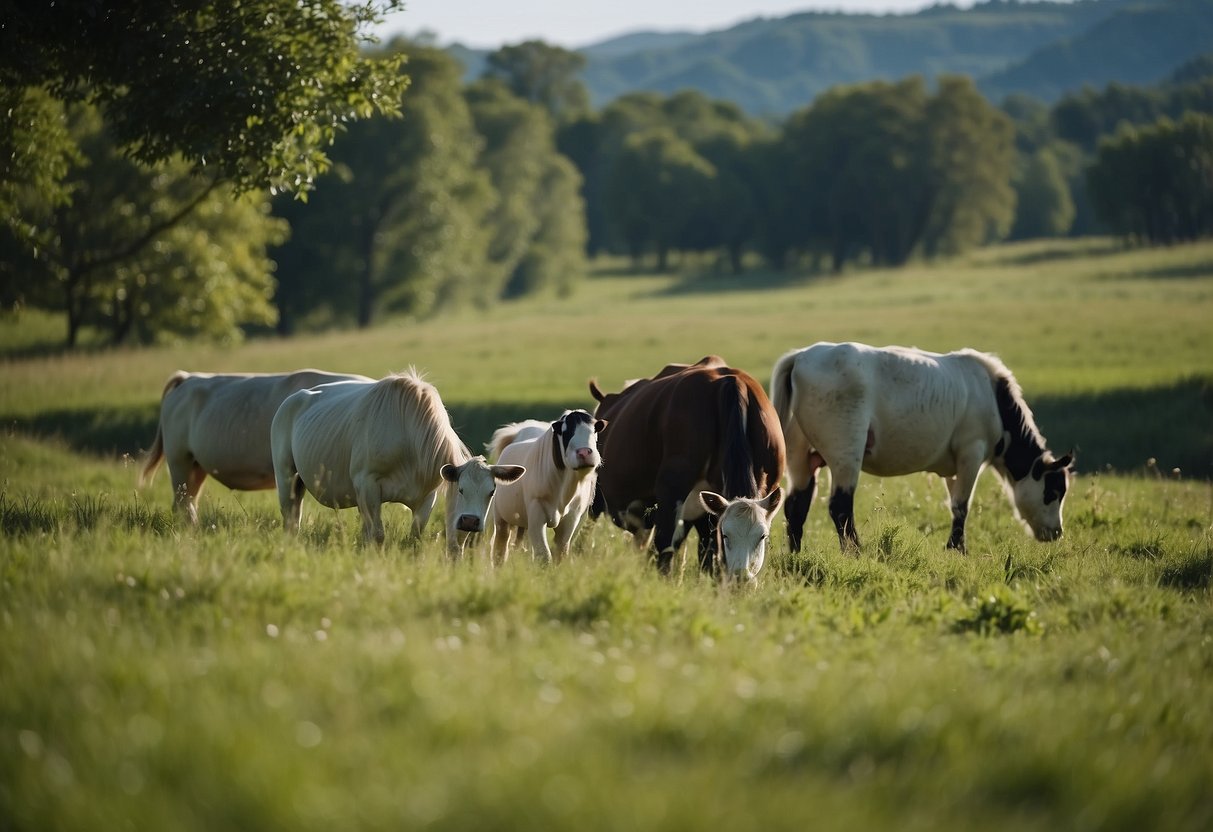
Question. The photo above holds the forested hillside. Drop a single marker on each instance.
(772, 66)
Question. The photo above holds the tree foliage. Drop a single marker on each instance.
(542, 74)
(399, 222)
(1043, 206)
(140, 252)
(1156, 183)
(251, 92)
(657, 181)
(462, 200)
(885, 169)
(538, 218)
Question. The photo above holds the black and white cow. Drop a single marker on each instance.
(561, 459)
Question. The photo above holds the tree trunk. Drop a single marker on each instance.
(735, 258)
(366, 279)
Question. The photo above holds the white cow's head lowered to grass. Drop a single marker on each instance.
(742, 529)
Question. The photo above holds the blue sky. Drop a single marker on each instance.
(575, 23)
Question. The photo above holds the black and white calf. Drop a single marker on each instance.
(561, 459)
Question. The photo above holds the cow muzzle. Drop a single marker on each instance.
(587, 458)
(468, 523)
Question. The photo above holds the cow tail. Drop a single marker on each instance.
(781, 386)
(737, 468)
(155, 454)
(502, 438)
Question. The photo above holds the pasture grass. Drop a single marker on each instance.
(1120, 336)
(156, 676)
(159, 676)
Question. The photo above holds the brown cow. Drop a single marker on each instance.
(704, 426)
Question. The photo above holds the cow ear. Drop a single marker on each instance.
(506, 473)
(1038, 468)
(599, 424)
(712, 502)
(772, 501)
(596, 391)
(1064, 462)
(449, 473)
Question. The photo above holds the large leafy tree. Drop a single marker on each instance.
(1155, 183)
(855, 158)
(1043, 207)
(884, 170)
(538, 215)
(971, 148)
(593, 142)
(542, 74)
(658, 180)
(250, 93)
(139, 251)
(401, 222)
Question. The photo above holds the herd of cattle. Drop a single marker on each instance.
(695, 446)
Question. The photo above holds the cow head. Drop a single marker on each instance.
(742, 527)
(473, 484)
(575, 441)
(1038, 497)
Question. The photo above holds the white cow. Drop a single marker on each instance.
(890, 411)
(367, 442)
(743, 527)
(219, 426)
(562, 459)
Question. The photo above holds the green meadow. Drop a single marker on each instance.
(157, 676)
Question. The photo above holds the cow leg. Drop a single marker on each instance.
(537, 529)
(844, 480)
(290, 499)
(960, 493)
(705, 529)
(564, 534)
(796, 512)
(370, 506)
(421, 514)
(673, 485)
(501, 541)
(188, 477)
(803, 464)
(842, 512)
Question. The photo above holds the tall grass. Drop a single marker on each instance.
(157, 676)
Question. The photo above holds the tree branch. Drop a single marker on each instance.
(150, 234)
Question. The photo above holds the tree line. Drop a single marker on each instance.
(468, 193)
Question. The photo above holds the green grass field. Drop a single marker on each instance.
(154, 676)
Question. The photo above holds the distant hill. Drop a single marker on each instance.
(637, 42)
(1142, 44)
(771, 66)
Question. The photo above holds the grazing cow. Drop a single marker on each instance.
(219, 425)
(895, 411)
(742, 529)
(562, 459)
(691, 428)
(367, 442)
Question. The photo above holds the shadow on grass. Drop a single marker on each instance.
(1115, 430)
(1122, 429)
(1185, 271)
(1059, 251)
(712, 283)
(119, 431)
